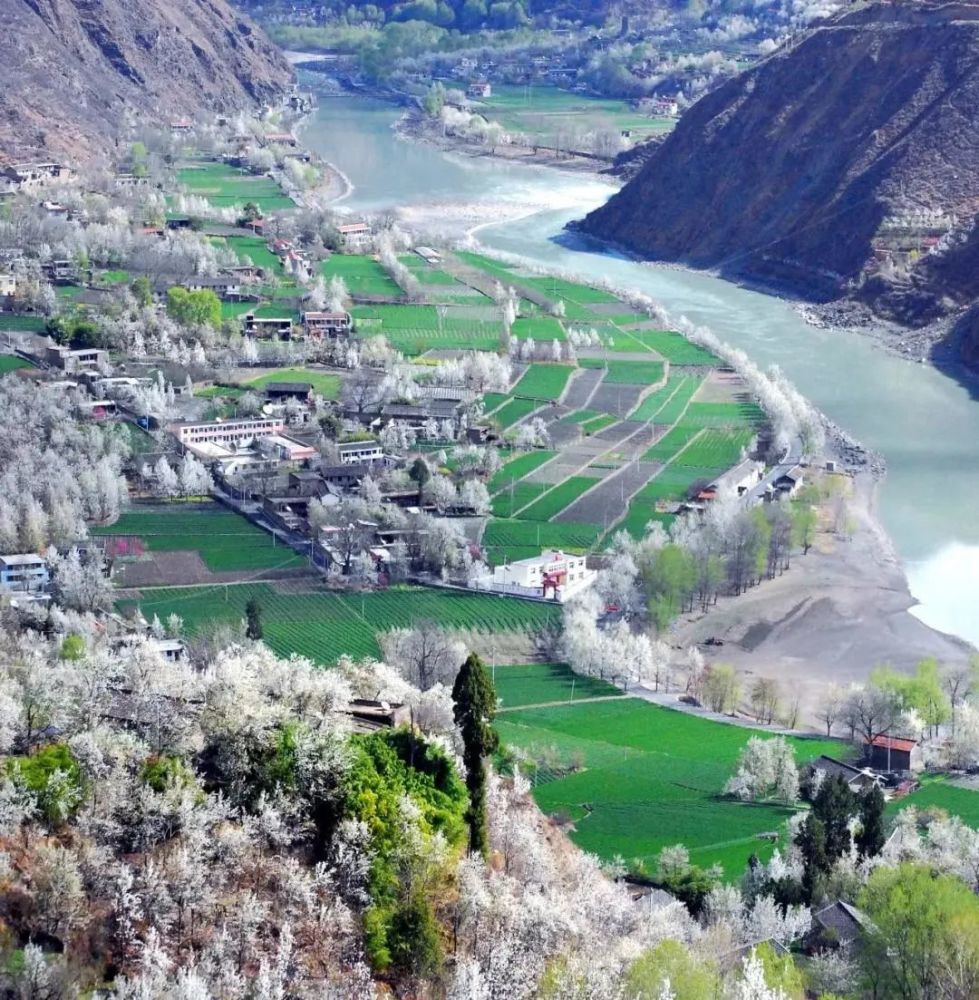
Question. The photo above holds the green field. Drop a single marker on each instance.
(677, 386)
(627, 372)
(541, 111)
(652, 777)
(670, 443)
(542, 381)
(514, 411)
(325, 385)
(519, 467)
(16, 321)
(538, 327)
(226, 541)
(557, 499)
(326, 625)
(224, 185)
(363, 275)
(675, 348)
(742, 413)
(251, 249)
(511, 499)
(11, 363)
(956, 801)
(716, 449)
(537, 683)
(505, 540)
(414, 329)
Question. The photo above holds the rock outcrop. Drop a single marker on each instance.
(844, 165)
(75, 73)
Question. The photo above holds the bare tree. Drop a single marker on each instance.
(830, 707)
(872, 712)
(425, 655)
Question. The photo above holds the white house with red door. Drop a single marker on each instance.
(552, 575)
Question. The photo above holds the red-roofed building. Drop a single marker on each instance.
(891, 753)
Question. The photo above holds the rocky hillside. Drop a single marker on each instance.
(845, 165)
(73, 72)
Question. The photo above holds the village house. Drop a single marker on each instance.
(225, 432)
(60, 270)
(181, 125)
(739, 480)
(789, 483)
(289, 514)
(359, 452)
(224, 286)
(319, 325)
(369, 716)
(26, 176)
(355, 235)
(838, 925)
(285, 448)
(83, 359)
(24, 573)
(552, 575)
(479, 90)
(266, 327)
(344, 477)
(8, 285)
(280, 139)
(893, 755)
(280, 391)
(429, 255)
(857, 780)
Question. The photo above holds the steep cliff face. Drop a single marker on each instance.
(72, 72)
(835, 167)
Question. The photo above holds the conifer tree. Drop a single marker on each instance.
(474, 701)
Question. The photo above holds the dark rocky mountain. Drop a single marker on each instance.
(844, 165)
(71, 71)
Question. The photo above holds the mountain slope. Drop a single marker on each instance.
(843, 165)
(71, 70)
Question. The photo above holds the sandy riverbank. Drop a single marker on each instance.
(838, 612)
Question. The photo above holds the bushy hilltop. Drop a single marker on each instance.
(842, 165)
(73, 74)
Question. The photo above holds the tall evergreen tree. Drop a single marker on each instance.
(835, 804)
(474, 701)
(870, 839)
(811, 841)
(253, 616)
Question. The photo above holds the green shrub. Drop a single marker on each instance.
(54, 777)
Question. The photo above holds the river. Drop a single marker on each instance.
(925, 424)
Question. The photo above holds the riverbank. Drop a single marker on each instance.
(415, 126)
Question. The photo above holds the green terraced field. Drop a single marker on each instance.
(542, 381)
(716, 449)
(514, 411)
(675, 348)
(11, 363)
(538, 327)
(670, 443)
(363, 275)
(324, 625)
(13, 321)
(324, 384)
(225, 540)
(627, 372)
(536, 683)
(253, 249)
(223, 185)
(956, 801)
(414, 329)
(557, 499)
(674, 408)
(510, 540)
(493, 401)
(519, 467)
(652, 778)
(599, 423)
(655, 401)
(509, 500)
(735, 414)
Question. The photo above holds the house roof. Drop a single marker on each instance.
(893, 743)
(22, 559)
(846, 920)
(320, 316)
(300, 387)
(830, 765)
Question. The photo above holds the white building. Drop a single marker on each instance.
(552, 575)
(226, 432)
(357, 452)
